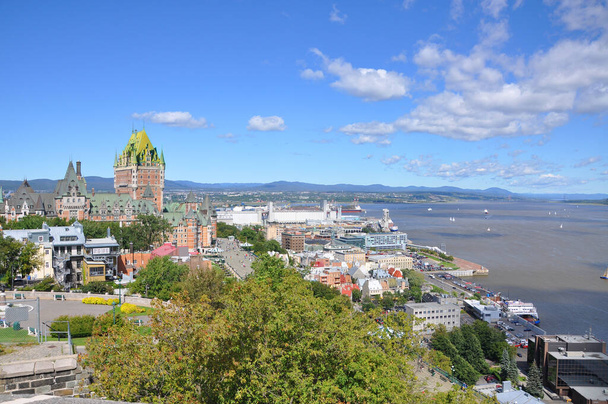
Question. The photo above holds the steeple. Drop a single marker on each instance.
(162, 157)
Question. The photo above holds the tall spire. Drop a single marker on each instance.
(162, 157)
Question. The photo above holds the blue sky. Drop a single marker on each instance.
(474, 94)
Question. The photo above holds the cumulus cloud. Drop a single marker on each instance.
(266, 123)
(369, 84)
(174, 118)
(363, 139)
(583, 15)
(335, 16)
(389, 161)
(588, 161)
(310, 74)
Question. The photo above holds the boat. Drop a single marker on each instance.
(485, 211)
(394, 228)
(353, 209)
(605, 276)
(525, 310)
(430, 209)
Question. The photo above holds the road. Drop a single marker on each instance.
(236, 258)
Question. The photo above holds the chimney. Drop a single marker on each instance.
(78, 174)
(506, 386)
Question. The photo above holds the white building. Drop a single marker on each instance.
(386, 241)
(434, 314)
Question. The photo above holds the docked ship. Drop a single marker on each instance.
(352, 209)
(525, 310)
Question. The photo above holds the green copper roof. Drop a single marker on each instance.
(139, 151)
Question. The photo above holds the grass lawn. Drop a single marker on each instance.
(10, 335)
(147, 311)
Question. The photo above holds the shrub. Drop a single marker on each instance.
(99, 300)
(105, 321)
(128, 308)
(45, 285)
(97, 287)
(80, 326)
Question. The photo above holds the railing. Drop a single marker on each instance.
(49, 330)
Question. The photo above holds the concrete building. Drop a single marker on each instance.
(572, 362)
(487, 313)
(386, 241)
(293, 241)
(394, 260)
(434, 314)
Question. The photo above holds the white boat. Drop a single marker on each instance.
(605, 276)
(561, 226)
(485, 211)
(523, 309)
(430, 209)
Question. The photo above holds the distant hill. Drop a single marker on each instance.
(101, 184)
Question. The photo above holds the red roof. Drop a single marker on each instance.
(347, 289)
(163, 250)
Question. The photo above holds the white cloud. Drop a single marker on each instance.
(456, 9)
(334, 15)
(328, 129)
(368, 157)
(175, 119)
(229, 137)
(391, 160)
(363, 139)
(583, 15)
(368, 128)
(494, 33)
(407, 4)
(493, 7)
(310, 74)
(588, 161)
(399, 58)
(369, 84)
(266, 123)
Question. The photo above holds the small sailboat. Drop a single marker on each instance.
(489, 229)
(430, 209)
(561, 226)
(605, 276)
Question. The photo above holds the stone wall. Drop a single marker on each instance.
(135, 299)
(59, 376)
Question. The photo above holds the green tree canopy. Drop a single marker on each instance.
(270, 340)
(17, 258)
(160, 278)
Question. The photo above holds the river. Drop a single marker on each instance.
(548, 253)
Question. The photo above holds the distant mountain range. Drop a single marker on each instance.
(101, 184)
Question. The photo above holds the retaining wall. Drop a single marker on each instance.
(59, 376)
(136, 300)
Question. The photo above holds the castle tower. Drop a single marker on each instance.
(139, 170)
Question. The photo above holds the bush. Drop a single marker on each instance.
(128, 308)
(105, 321)
(80, 326)
(99, 300)
(45, 285)
(98, 288)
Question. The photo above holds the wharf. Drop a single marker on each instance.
(470, 266)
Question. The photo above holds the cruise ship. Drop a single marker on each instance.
(525, 310)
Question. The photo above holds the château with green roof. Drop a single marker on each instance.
(139, 170)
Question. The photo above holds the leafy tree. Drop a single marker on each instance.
(323, 291)
(97, 287)
(17, 258)
(472, 352)
(388, 301)
(356, 295)
(272, 340)
(225, 230)
(491, 339)
(160, 278)
(464, 372)
(206, 282)
(534, 385)
(149, 230)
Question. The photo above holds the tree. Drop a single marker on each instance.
(505, 363)
(534, 385)
(271, 340)
(388, 301)
(160, 278)
(472, 351)
(17, 258)
(356, 295)
(205, 282)
(149, 230)
(513, 372)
